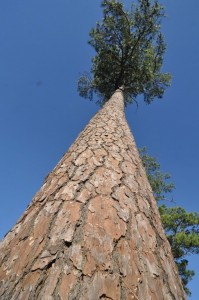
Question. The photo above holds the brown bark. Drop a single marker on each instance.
(93, 230)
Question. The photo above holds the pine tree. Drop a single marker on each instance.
(93, 231)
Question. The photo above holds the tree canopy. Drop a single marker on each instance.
(129, 53)
(181, 227)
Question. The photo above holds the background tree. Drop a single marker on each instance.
(129, 53)
(159, 181)
(182, 230)
(181, 227)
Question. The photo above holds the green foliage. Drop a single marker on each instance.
(185, 274)
(129, 53)
(181, 227)
(182, 230)
(158, 180)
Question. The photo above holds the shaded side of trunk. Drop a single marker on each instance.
(93, 230)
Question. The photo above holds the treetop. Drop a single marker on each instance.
(129, 53)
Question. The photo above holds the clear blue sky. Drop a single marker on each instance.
(43, 48)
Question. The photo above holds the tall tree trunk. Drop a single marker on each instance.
(93, 231)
